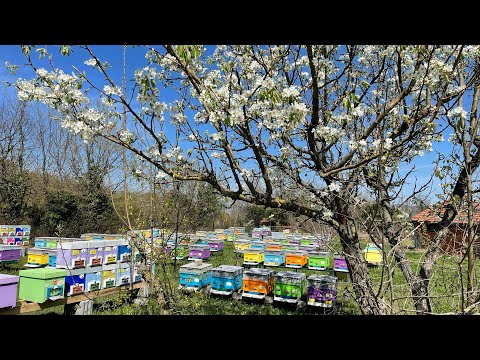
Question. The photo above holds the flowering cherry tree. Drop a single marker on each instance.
(321, 116)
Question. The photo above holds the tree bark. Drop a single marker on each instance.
(361, 281)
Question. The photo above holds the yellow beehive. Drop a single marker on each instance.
(253, 256)
(372, 254)
(38, 258)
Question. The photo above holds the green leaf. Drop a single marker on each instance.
(365, 84)
(42, 52)
(346, 103)
(65, 50)
(26, 49)
(355, 98)
(195, 52)
(11, 68)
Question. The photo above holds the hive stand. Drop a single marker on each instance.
(68, 302)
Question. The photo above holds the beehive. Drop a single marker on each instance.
(256, 244)
(72, 254)
(373, 254)
(241, 245)
(37, 257)
(51, 242)
(195, 275)
(109, 275)
(110, 252)
(253, 256)
(199, 252)
(52, 257)
(289, 286)
(215, 245)
(95, 255)
(296, 259)
(319, 260)
(42, 284)
(307, 248)
(8, 290)
(123, 274)
(226, 279)
(93, 279)
(124, 251)
(273, 246)
(321, 290)
(75, 282)
(339, 263)
(274, 257)
(10, 253)
(40, 243)
(257, 282)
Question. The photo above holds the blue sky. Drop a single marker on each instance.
(136, 59)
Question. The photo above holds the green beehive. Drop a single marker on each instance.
(42, 284)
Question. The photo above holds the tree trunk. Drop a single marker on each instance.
(418, 287)
(362, 284)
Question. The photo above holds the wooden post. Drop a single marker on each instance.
(85, 308)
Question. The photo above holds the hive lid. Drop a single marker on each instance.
(43, 273)
(196, 267)
(291, 275)
(296, 252)
(319, 253)
(229, 268)
(257, 271)
(256, 251)
(322, 278)
(37, 251)
(8, 279)
(9, 247)
(274, 252)
(200, 247)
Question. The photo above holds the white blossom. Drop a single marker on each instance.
(334, 187)
(91, 62)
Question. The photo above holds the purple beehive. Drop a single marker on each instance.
(95, 253)
(215, 245)
(199, 252)
(339, 263)
(72, 254)
(110, 252)
(8, 290)
(10, 253)
(322, 290)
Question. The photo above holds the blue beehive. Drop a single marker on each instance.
(202, 241)
(123, 274)
(255, 244)
(226, 279)
(52, 257)
(195, 275)
(124, 251)
(93, 279)
(274, 258)
(75, 282)
(40, 243)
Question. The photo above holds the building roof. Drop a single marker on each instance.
(435, 216)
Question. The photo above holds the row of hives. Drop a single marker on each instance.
(285, 286)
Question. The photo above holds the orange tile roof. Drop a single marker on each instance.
(432, 216)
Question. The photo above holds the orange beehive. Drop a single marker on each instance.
(258, 282)
(296, 259)
(273, 246)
